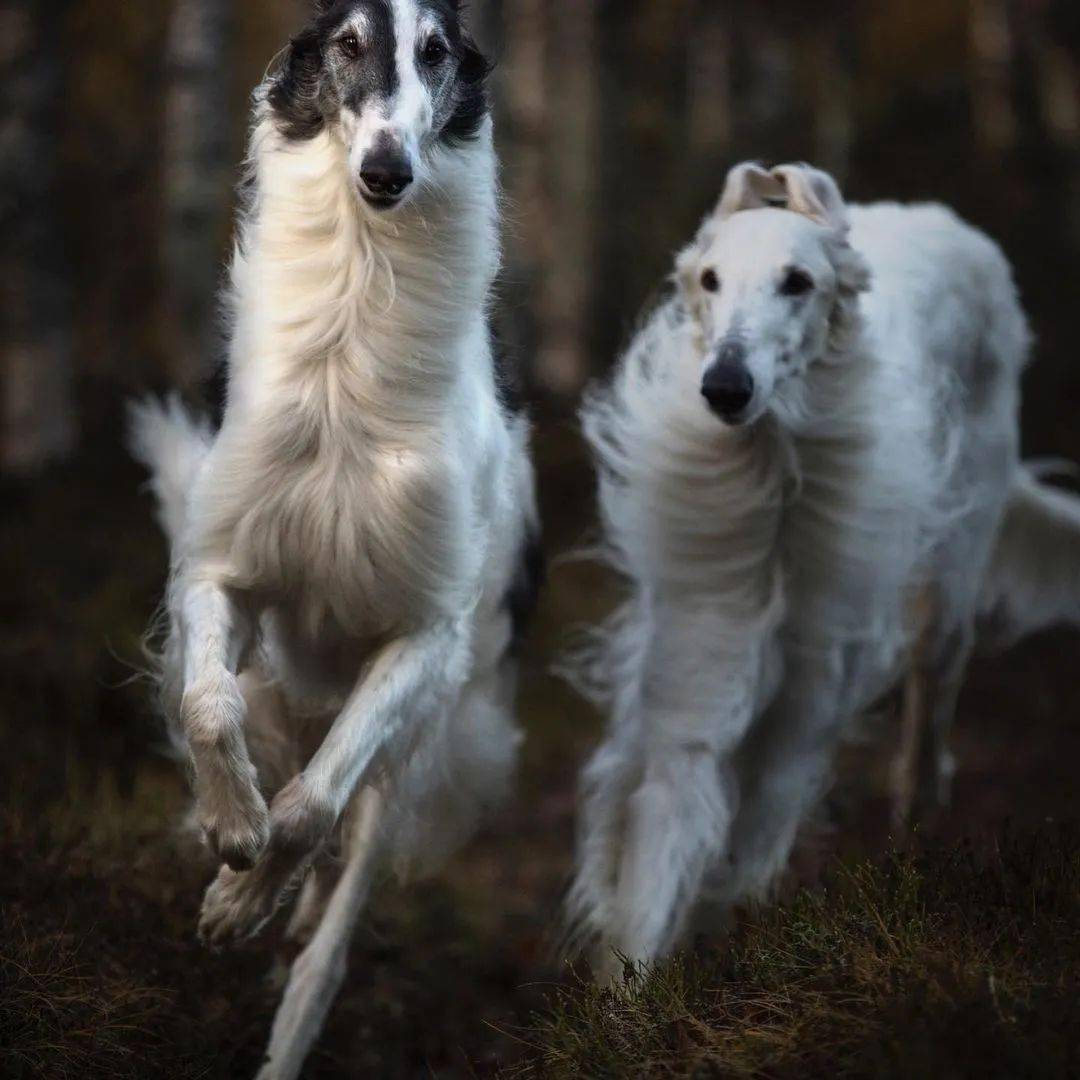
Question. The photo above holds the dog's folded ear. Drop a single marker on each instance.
(799, 188)
(294, 94)
(813, 193)
(749, 186)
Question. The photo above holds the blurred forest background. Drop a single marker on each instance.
(121, 125)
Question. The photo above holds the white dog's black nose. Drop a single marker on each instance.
(386, 172)
(727, 385)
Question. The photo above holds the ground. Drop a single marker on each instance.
(961, 951)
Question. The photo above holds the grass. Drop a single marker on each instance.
(950, 962)
(947, 963)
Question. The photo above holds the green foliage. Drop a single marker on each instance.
(945, 963)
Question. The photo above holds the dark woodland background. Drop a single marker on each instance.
(121, 125)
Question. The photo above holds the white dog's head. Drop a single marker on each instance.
(770, 282)
(392, 79)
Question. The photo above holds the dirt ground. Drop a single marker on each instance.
(101, 974)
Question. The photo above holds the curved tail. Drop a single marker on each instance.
(1034, 576)
(172, 443)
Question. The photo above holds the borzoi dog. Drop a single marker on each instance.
(804, 458)
(349, 550)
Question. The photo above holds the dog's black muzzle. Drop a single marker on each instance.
(727, 385)
(385, 173)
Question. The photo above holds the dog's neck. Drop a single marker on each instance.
(798, 496)
(334, 299)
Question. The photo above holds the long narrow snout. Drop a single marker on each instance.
(727, 384)
(386, 171)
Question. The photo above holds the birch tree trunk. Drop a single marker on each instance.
(563, 363)
(520, 89)
(197, 171)
(38, 418)
(992, 58)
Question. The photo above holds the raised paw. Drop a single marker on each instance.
(238, 905)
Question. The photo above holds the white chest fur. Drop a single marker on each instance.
(337, 488)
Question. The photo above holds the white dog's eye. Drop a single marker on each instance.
(709, 281)
(434, 52)
(796, 283)
(350, 46)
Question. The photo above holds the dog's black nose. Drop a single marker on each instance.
(386, 173)
(727, 385)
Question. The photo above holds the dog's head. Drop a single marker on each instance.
(392, 79)
(771, 284)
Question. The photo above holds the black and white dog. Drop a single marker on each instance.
(348, 551)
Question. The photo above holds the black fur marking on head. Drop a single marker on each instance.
(375, 74)
(473, 103)
(294, 97)
(318, 77)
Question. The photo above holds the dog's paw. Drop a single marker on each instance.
(300, 821)
(236, 825)
(235, 908)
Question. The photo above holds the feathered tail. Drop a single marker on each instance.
(1034, 576)
(172, 443)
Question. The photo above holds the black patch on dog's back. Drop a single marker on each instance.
(509, 385)
(214, 393)
(524, 592)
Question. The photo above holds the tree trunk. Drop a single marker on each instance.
(520, 90)
(992, 60)
(38, 421)
(571, 151)
(198, 172)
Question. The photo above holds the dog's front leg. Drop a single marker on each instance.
(216, 633)
(408, 681)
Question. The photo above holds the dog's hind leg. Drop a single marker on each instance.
(317, 973)
(914, 710)
(311, 903)
(943, 657)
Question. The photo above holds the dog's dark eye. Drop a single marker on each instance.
(350, 46)
(709, 281)
(796, 283)
(434, 52)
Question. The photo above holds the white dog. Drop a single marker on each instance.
(804, 456)
(350, 550)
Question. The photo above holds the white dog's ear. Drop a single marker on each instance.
(799, 188)
(750, 187)
(813, 193)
